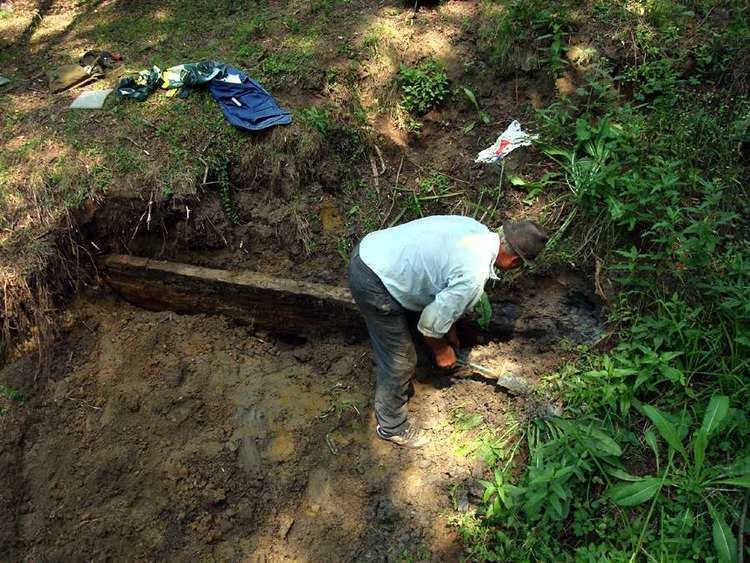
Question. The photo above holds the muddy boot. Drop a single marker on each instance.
(411, 437)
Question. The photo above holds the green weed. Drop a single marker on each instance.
(423, 87)
(509, 28)
(12, 394)
(318, 118)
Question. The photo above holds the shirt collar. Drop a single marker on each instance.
(494, 243)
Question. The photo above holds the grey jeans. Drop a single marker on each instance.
(391, 337)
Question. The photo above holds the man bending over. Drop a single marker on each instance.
(437, 266)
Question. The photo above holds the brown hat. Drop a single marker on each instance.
(526, 238)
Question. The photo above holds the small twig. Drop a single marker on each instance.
(147, 211)
(390, 210)
(398, 217)
(499, 193)
(150, 205)
(205, 172)
(82, 402)
(330, 444)
(478, 204)
(375, 173)
(89, 521)
(398, 173)
(439, 196)
(395, 187)
(136, 144)
(380, 156)
(217, 230)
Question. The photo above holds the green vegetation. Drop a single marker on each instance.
(523, 35)
(423, 86)
(652, 461)
(10, 394)
(318, 118)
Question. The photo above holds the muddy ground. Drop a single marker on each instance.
(157, 436)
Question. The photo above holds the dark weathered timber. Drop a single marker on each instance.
(277, 305)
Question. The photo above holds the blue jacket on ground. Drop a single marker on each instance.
(245, 103)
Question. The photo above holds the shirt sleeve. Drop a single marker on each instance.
(452, 302)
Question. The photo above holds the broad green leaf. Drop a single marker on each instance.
(724, 542)
(717, 410)
(632, 494)
(699, 449)
(556, 505)
(606, 444)
(665, 428)
(622, 475)
(673, 374)
(558, 490)
(472, 98)
(583, 131)
(483, 311)
(517, 181)
(741, 481)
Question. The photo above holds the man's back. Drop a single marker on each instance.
(419, 259)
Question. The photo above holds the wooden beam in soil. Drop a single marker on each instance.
(277, 305)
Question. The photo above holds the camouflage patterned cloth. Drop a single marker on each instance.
(140, 85)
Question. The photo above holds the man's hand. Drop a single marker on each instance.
(445, 355)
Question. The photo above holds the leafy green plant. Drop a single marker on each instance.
(317, 117)
(572, 451)
(648, 170)
(423, 86)
(693, 476)
(219, 166)
(556, 51)
(433, 187)
(12, 394)
(476, 439)
(483, 311)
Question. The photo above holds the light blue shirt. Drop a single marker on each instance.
(437, 265)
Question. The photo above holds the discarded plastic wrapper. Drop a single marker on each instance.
(91, 99)
(512, 138)
(4, 81)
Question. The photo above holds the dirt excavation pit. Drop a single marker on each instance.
(193, 437)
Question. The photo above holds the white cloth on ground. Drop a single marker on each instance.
(437, 265)
(91, 99)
